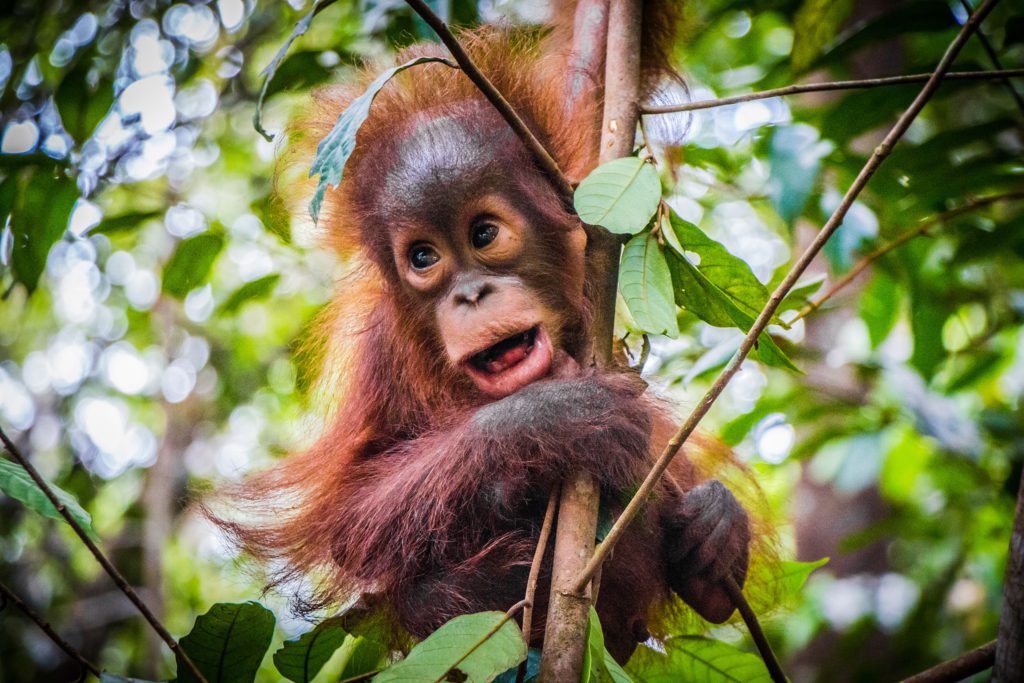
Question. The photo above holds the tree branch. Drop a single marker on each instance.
(531, 582)
(994, 56)
(967, 664)
(1009, 659)
(9, 596)
(826, 87)
(922, 229)
(536, 148)
(881, 152)
(568, 609)
(756, 632)
(104, 561)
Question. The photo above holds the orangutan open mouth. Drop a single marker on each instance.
(513, 362)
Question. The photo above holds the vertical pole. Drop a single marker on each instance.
(1009, 665)
(565, 635)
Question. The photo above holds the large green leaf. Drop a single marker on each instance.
(646, 286)
(82, 102)
(335, 149)
(463, 643)
(191, 263)
(728, 273)
(301, 659)
(620, 196)
(228, 643)
(124, 222)
(696, 659)
(40, 217)
(16, 482)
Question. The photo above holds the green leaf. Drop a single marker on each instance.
(362, 655)
(462, 644)
(620, 196)
(598, 665)
(39, 219)
(300, 660)
(81, 105)
(646, 286)
(792, 576)
(697, 294)
(696, 659)
(335, 149)
(301, 26)
(228, 643)
(801, 293)
(16, 482)
(728, 273)
(815, 25)
(257, 289)
(124, 222)
(880, 306)
(191, 263)
(299, 71)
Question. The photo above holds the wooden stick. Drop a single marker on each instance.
(967, 664)
(9, 596)
(531, 582)
(1009, 661)
(881, 152)
(1001, 74)
(104, 561)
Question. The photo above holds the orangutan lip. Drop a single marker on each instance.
(509, 365)
(506, 353)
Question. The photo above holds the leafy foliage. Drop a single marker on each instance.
(300, 660)
(620, 196)
(228, 643)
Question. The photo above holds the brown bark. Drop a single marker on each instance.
(1009, 665)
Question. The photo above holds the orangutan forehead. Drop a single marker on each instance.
(445, 158)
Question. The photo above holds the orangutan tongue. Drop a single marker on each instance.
(508, 358)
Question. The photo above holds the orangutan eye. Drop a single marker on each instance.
(484, 234)
(422, 256)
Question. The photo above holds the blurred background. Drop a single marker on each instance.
(149, 332)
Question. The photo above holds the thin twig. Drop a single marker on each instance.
(829, 86)
(531, 582)
(104, 561)
(536, 148)
(756, 632)
(967, 664)
(45, 627)
(922, 229)
(996, 62)
(881, 152)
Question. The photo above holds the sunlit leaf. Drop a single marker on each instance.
(462, 644)
(81, 101)
(191, 263)
(362, 655)
(301, 659)
(696, 659)
(815, 26)
(880, 306)
(620, 196)
(790, 576)
(228, 643)
(335, 149)
(646, 286)
(257, 289)
(16, 482)
(598, 665)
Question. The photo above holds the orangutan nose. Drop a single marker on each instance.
(471, 291)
